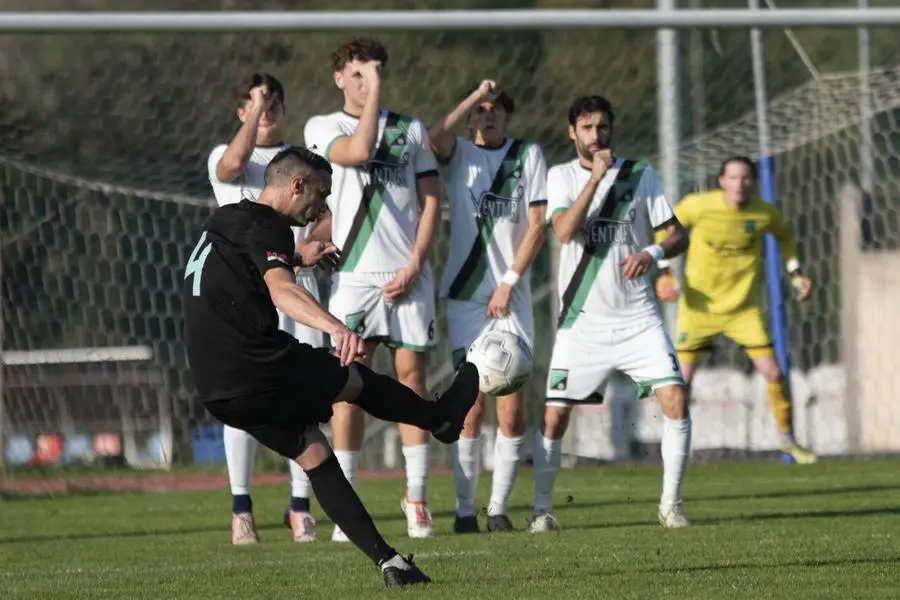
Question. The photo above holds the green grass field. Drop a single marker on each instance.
(831, 530)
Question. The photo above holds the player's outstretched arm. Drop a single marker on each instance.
(234, 160)
(440, 135)
(358, 148)
(782, 234)
(299, 305)
(568, 222)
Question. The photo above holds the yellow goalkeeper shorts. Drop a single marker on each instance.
(697, 329)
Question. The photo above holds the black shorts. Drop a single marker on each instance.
(278, 417)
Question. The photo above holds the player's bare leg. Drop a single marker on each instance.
(780, 401)
(676, 449)
(547, 460)
(341, 503)
(347, 430)
(507, 449)
(410, 368)
(467, 467)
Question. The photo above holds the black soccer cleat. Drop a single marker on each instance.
(466, 524)
(455, 403)
(499, 524)
(398, 576)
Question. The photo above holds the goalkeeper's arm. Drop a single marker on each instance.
(782, 234)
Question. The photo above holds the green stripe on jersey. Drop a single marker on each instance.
(597, 258)
(506, 180)
(388, 155)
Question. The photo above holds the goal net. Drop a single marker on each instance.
(103, 147)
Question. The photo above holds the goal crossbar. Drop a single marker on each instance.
(667, 18)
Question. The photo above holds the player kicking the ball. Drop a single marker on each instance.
(723, 271)
(257, 378)
(497, 191)
(385, 213)
(604, 210)
(236, 172)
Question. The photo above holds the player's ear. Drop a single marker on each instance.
(339, 80)
(572, 132)
(240, 112)
(296, 185)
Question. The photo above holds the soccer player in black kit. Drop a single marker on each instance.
(252, 376)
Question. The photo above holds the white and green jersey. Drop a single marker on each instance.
(628, 205)
(375, 207)
(490, 192)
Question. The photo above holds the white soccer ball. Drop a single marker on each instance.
(503, 360)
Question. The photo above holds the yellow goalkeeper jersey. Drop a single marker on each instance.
(724, 263)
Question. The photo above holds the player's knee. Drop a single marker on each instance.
(474, 419)
(510, 417)
(556, 421)
(673, 400)
(410, 369)
(315, 450)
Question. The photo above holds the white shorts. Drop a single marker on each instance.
(583, 360)
(466, 320)
(409, 323)
(306, 278)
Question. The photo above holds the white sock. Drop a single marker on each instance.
(349, 461)
(506, 464)
(299, 481)
(547, 459)
(676, 450)
(466, 467)
(240, 451)
(416, 458)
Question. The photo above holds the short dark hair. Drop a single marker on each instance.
(256, 80)
(745, 160)
(292, 161)
(586, 105)
(361, 48)
(504, 100)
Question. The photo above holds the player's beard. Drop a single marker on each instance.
(584, 152)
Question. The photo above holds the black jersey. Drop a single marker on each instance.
(231, 330)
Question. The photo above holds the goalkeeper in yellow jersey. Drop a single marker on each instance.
(722, 292)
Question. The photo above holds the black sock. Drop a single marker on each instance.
(343, 506)
(389, 400)
(299, 504)
(241, 503)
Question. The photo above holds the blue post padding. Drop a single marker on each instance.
(773, 273)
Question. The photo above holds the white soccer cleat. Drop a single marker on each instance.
(302, 525)
(419, 523)
(671, 515)
(243, 529)
(339, 536)
(543, 522)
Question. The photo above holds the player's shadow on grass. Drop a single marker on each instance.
(572, 502)
(748, 517)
